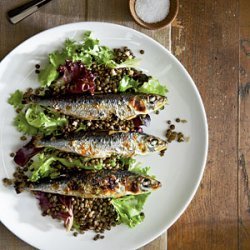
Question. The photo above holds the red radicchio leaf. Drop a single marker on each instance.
(141, 121)
(76, 77)
(139, 129)
(66, 216)
(44, 202)
(24, 154)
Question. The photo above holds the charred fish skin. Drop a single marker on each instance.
(100, 184)
(103, 145)
(103, 106)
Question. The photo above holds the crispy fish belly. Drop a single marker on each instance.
(102, 145)
(100, 184)
(102, 107)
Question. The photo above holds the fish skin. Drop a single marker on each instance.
(103, 144)
(100, 184)
(124, 106)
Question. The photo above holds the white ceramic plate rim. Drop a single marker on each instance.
(195, 187)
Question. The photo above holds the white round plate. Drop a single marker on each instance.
(180, 169)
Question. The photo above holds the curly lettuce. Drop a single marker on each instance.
(49, 165)
(127, 83)
(129, 63)
(129, 209)
(32, 119)
(45, 123)
(86, 51)
(152, 86)
(15, 99)
(35, 120)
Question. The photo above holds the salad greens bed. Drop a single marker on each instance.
(33, 119)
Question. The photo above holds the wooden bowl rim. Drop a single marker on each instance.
(173, 11)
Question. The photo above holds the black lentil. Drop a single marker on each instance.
(162, 152)
(23, 138)
(12, 154)
(142, 51)
(172, 126)
(172, 135)
(89, 214)
(37, 71)
(7, 182)
(37, 66)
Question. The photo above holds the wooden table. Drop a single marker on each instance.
(212, 40)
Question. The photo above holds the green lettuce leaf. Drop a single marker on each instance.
(47, 75)
(41, 167)
(129, 209)
(127, 161)
(49, 165)
(34, 120)
(105, 56)
(136, 168)
(45, 123)
(86, 59)
(16, 98)
(153, 86)
(70, 47)
(82, 127)
(127, 83)
(86, 51)
(22, 125)
(57, 58)
(102, 54)
(129, 63)
(90, 44)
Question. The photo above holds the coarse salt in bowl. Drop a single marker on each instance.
(151, 11)
(152, 14)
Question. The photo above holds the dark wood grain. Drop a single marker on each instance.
(55, 13)
(209, 43)
(244, 127)
(8, 241)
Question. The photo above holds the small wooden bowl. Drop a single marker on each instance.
(173, 11)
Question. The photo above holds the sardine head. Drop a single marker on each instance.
(153, 143)
(148, 184)
(155, 102)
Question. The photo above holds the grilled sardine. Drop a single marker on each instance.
(103, 106)
(100, 184)
(102, 145)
